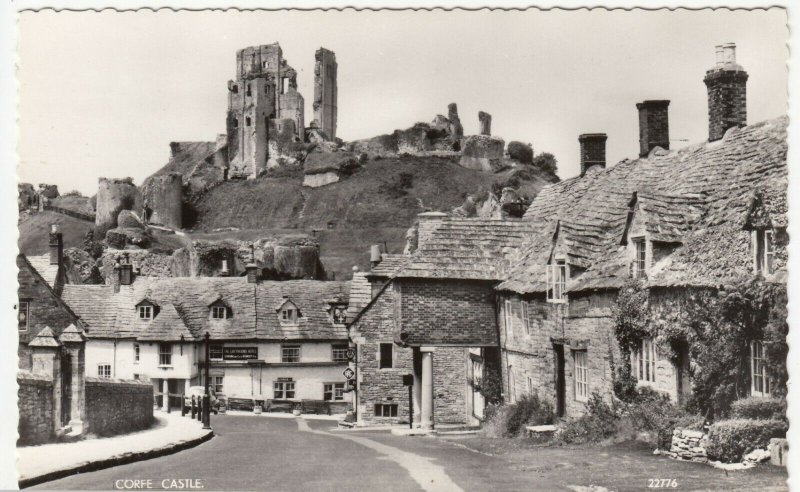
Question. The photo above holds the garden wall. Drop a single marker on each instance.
(118, 407)
(35, 403)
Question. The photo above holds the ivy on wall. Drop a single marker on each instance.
(715, 327)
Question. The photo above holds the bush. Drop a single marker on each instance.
(599, 423)
(759, 409)
(510, 420)
(729, 440)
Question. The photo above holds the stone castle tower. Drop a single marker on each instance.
(265, 111)
(265, 89)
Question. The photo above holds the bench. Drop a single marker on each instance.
(315, 406)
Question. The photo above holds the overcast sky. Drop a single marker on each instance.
(103, 94)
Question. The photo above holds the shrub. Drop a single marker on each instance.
(759, 408)
(598, 423)
(510, 420)
(729, 440)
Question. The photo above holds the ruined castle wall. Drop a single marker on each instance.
(251, 103)
(292, 107)
(113, 196)
(163, 200)
(326, 91)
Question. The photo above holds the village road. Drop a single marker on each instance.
(278, 454)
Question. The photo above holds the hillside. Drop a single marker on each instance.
(34, 229)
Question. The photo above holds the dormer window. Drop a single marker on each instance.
(640, 257)
(288, 313)
(146, 312)
(219, 312)
(557, 275)
(339, 313)
(763, 251)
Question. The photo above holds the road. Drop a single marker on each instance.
(280, 454)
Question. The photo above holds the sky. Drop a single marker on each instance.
(103, 94)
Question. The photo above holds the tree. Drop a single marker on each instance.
(546, 162)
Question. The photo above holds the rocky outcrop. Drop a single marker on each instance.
(113, 196)
(322, 168)
(483, 153)
(81, 268)
(124, 237)
(129, 219)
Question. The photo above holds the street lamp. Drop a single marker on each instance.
(206, 395)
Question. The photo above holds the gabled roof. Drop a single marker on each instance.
(389, 266)
(43, 267)
(698, 196)
(184, 308)
(467, 249)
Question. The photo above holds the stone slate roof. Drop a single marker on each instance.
(698, 197)
(389, 266)
(467, 249)
(42, 265)
(183, 309)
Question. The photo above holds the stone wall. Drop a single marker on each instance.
(437, 312)
(482, 152)
(688, 445)
(325, 91)
(118, 407)
(450, 385)
(114, 195)
(163, 200)
(35, 404)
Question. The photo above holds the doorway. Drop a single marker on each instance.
(560, 380)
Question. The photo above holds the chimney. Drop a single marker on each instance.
(653, 125)
(224, 272)
(126, 272)
(375, 255)
(174, 148)
(593, 150)
(428, 222)
(56, 245)
(252, 267)
(727, 93)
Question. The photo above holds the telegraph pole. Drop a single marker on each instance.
(207, 395)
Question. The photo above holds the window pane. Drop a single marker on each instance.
(385, 356)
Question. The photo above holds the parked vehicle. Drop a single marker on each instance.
(198, 392)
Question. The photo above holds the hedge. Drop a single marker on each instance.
(730, 440)
(759, 409)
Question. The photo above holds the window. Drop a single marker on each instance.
(136, 353)
(758, 369)
(145, 312)
(22, 315)
(333, 391)
(339, 353)
(508, 318)
(290, 353)
(219, 312)
(512, 389)
(289, 314)
(523, 314)
(640, 258)
(581, 376)
(643, 360)
(164, 354)
(283, 390)
(764, 246)
(385, 360)
(217, 384)
(215, 351)
(248, 90)
(236, 122)
(386, 409)
(284, 85)
(104, 371)
(264, 64)
(530, 386)
(557, 281)
(235, 88)
(247, 121)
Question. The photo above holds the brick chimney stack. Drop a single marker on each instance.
(653, 125)
(727, 93)
(593, 150)
(428, 222)
(252, 267)
(56, 245)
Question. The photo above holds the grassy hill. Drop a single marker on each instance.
(35, 228)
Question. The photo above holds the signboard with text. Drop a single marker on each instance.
(239, 353)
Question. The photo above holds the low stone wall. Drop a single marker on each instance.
(72, 213)
(35, 404)
(118, 407)
(688, 445)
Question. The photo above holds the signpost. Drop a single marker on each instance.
(408, 380)
(348, 374)
(207, 397)
(350, 353)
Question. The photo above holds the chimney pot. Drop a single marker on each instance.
(593, 150)
(375, 255)
(252, 273)
(653, 125)
(224, 272)
(56, 243)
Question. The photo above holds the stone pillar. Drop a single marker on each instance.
(165, 395)
(75, 342)
(46, 361)
(417, 388)
(485, 120)
(426, 412)
(456, 130)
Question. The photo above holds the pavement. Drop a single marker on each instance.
(307, 454)
(169, 433)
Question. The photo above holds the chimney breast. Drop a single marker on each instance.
(653, 125)
(593, 150)
(727, 93)
(428, 222)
